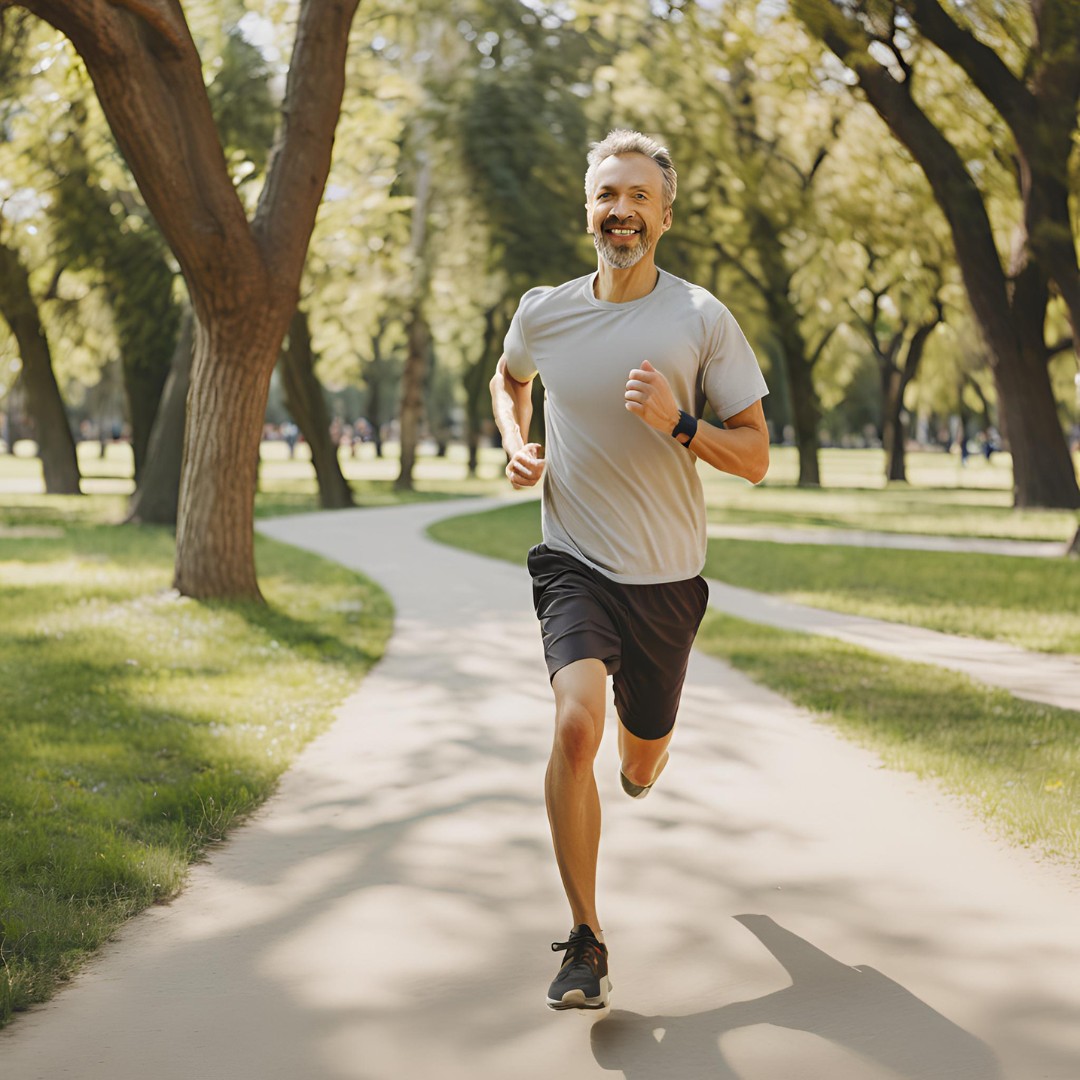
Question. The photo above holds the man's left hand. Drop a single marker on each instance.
(649, 397)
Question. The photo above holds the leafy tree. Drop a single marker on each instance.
(523, 137)
(19, 301)
(19, 308)
(243, 275)
(1026, 64)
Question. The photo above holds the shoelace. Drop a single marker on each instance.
(580, 950)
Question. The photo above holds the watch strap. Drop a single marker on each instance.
(687, 425)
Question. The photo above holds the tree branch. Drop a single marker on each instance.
(156, 103)
(983, 66)
(812, 359)
(300, 160)
(164, 17)
(741, 267)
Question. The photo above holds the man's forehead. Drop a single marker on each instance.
(630, 169)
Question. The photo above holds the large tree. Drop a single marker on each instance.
(1036, 97)
(242, 275)
(19, 308)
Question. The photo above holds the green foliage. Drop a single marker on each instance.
(139, 727)
(244, 108)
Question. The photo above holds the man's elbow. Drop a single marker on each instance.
(758, 464)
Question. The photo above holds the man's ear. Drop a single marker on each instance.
(666, 223)
(588, 218)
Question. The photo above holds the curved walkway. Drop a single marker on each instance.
(1046, 677)
(780, 908)
(785, 534)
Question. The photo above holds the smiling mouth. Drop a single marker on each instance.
(620, 231)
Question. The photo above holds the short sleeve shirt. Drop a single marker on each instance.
(617, 494)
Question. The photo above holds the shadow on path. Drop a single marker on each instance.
(854, 1007)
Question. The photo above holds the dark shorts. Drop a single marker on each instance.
(642, 633)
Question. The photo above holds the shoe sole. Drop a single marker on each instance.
(576, 999)
(635, 791)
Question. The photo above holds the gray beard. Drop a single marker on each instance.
(622, 258)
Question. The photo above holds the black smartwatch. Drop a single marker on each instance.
(687, 425)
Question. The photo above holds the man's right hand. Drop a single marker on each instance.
(525, 468)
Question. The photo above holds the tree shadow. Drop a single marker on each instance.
(857, 1008)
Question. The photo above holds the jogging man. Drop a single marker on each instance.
(629, 356)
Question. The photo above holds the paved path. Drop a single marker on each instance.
(1053, 679)
(784, 534)
(780, 908)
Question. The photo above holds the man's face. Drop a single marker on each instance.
(626, 214)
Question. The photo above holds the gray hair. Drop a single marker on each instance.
(625, 141)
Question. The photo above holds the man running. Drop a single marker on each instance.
(629, 356)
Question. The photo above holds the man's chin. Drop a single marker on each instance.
(621, 258)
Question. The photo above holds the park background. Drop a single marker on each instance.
(885, 195)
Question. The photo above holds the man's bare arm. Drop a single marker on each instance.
(511, 404)
(741, 447)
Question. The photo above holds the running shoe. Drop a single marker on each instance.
(582, 981)
(635, 791)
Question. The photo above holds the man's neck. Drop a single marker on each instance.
(622, 286)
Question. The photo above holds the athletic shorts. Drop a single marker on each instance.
(642, 633)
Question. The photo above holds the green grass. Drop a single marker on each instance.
(286, 485)
(941, 499)
(139, 726)
(1016, 762)
(1033, 603)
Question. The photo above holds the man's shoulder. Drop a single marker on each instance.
(547, 296)
(697, 297)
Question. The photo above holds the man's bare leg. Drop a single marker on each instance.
(643, 760)
(573, 804)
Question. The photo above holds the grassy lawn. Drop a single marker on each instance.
(139, 726)
(942, 498)
(1034, 603)
(1016, 762)
(286, 485)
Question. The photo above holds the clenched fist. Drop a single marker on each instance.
(649, 396)
(525, 468)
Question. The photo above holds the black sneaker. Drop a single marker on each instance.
(582, 982)
(635, 791)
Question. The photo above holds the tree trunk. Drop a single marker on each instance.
(798, 365)
(477, 376)
(307, 406)
(892, 433)
(230, 380)
(243, 276)
(157, 494)
(412, 397)
(56, 444)
(805, 408)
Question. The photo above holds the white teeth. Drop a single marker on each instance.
(623, 232)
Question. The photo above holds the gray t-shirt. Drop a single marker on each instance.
(619, 495)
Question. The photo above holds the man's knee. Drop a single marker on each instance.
(577, 735)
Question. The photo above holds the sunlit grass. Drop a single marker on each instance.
(139, 726)
(1034, 603)
(1015, 762)
(943, 497)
